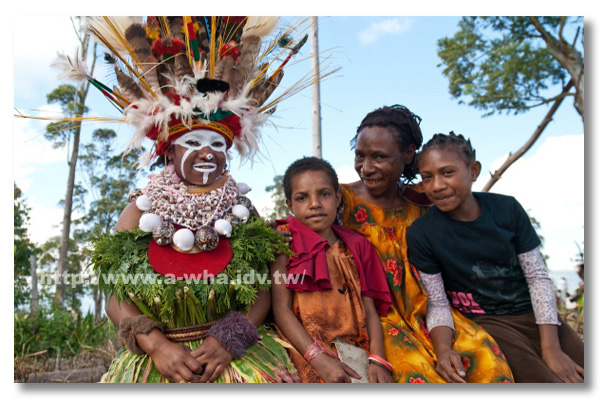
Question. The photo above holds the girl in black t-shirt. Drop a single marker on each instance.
(482, 251)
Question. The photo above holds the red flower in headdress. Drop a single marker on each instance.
(159, 48)
(230, 49)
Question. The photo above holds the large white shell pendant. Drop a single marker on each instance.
(243, 188)
(223, 227)
(241, 211)
(184, 239)
(148, 221)
(143, 203)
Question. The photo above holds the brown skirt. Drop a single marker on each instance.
(519, 339)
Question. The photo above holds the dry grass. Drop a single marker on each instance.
(30, 367)
(575, 319)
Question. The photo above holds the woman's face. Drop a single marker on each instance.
(199, 157)
(379, 161)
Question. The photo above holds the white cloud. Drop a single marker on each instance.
(390, 26)
(346, 174)
(550, 185)
(265, 204)
(44, 222)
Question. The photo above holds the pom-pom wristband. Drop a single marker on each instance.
(314, 350)
(379, 361)
(235, 333)
(132, 326)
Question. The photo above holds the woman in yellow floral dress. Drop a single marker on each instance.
(381, 208)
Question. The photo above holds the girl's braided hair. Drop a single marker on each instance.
(404, 126)
(459, 142)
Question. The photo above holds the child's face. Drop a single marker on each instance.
(447, 181)
(314, 201)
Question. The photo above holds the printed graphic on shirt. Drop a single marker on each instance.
(464, 302)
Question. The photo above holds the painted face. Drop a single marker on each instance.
(447, 181)
(199, 156)
(314, 201)
(379, 161)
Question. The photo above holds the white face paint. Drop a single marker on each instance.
(196, 140)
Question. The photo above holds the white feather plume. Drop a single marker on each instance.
(259, 26)
(121, 23)
(73, 69)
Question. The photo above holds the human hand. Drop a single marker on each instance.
(286, 234)
(377, 374)
(332, 370)
(563, 366)
(214, 357)
(175, 362)
(450, 367)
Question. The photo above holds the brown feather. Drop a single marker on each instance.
(136, 36)
(241, 73)
(130, 89)
(161, 70)
(223, 69)
(182, 67)
(176, 24)
(261, 93)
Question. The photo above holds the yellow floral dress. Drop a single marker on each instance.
(407, 344)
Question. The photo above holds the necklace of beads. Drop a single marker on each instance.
(210, 212)
(172, 202)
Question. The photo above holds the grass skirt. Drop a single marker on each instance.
(265, 362)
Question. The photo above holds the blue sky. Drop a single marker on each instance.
(383, 60)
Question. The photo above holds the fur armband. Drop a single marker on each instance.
(131, 326)
(235, 333)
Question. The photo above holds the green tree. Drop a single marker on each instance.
(280, 209)
(76, 261)
(23, 249)
(67, 133)
(514, 64)
(109, 177)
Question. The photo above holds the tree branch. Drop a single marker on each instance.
(513, 157)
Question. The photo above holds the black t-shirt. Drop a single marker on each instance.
(477, 259)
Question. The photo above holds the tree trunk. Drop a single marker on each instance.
(34, 286)
(513, 157)
(316, 89)
(98, 304)
(569, 58)
(59, 296)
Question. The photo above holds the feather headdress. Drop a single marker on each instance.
(177, 74)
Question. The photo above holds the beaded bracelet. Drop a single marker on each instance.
(314, 350)
(379, 361)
